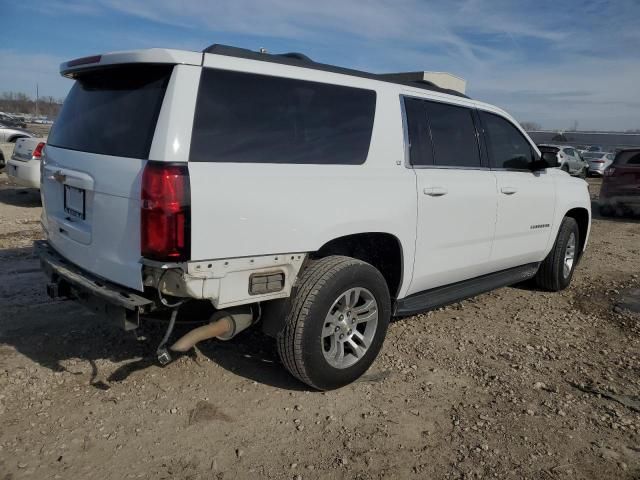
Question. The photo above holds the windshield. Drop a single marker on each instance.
(592, 154)
(112, 111)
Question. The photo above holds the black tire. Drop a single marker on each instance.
(299, 344)
(551, 275)
(606, 211)
(565, 168)
(584, 173)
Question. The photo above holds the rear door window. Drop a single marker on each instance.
(112, 111)
(508, 148)
(420, 151)
(250, 118)
(455, 143)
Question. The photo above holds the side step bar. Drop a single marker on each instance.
(455, 292)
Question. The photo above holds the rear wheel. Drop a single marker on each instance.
(556, 270)
(336, 324)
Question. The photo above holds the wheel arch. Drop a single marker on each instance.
(380, 249)
(581, 216)
(14, 138)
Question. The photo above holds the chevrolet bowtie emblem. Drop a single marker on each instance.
(59, 176)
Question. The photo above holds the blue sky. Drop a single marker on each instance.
(551, 62)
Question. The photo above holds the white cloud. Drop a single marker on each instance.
(530, 57)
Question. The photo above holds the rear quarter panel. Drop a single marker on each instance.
(255, 209)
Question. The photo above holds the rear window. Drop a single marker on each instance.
(628, 158)
(250, 118)
(112, 111)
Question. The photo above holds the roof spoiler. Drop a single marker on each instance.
(152, 55)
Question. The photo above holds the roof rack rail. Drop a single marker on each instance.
(300, 60)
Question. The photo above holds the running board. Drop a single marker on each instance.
(455, 292)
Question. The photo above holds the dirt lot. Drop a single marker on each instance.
(484, 388)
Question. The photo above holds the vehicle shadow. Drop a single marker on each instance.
(63, 336)
(20, 196)
(620, 217)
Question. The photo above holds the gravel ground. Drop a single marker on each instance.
(512, 384)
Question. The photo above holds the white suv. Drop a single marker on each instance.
(317, 200)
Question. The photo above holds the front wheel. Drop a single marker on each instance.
(336, 323)
(556, 270)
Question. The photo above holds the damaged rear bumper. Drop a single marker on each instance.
(119, 304)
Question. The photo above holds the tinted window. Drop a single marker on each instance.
(453, 133)
(544, 148)
(420, 152)
(569, 151)
(112, 111)
(507, 146)
(244, 118)
(628, 158)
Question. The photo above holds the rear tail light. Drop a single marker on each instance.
(165, 212)
(610, 172)
(37, 152)
(598, 161)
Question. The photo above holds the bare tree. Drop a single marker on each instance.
(20, 103)
(530, 126)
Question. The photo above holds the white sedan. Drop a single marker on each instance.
(598, 161)
(24, 166)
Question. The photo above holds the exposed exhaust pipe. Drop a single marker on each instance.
(224, 325)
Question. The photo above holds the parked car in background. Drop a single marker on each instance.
(598, 161)
(620, 191)
(594, 148)
(11, 134)
(12, 121)
(23, 167)
(569, 159)
(3, 162)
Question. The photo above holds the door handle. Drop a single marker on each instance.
(435, 191)
(508, 190)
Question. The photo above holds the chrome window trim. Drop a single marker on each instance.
(447, 167)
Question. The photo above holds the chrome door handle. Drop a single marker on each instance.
(435, 191)
(508, 190)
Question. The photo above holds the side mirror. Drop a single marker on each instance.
(548, 160)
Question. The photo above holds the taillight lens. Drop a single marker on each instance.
(165, 212)
(37, 152)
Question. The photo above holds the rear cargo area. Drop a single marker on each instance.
(93, 166)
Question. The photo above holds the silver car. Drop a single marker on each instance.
(598, 161)
(11, 134)
(569, 159)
